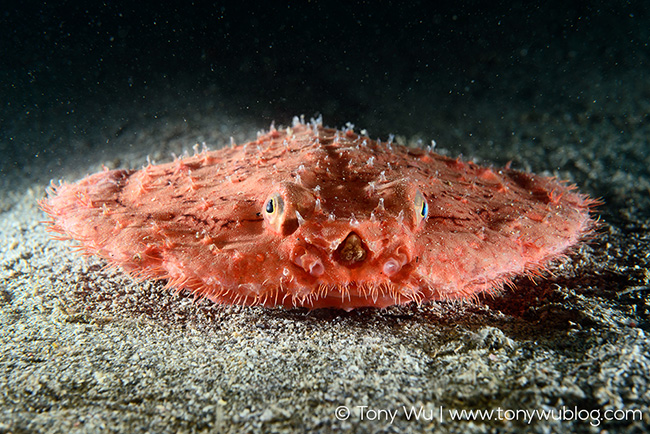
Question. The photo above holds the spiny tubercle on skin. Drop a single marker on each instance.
(316, 217)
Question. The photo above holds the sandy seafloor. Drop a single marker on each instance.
(87, 349)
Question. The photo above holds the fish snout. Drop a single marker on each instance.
(352, 251)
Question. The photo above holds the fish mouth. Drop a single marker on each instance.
(351, 252)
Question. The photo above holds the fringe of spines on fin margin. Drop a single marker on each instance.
(541, 268)
(533, 271)
(369, 291)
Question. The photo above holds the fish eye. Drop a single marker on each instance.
(270, 206)
(421, 207)
(274, 213)
(274, 205)
(286, 208)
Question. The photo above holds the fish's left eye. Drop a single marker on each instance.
(421, 207)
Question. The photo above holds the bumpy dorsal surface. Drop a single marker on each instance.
(316, 217)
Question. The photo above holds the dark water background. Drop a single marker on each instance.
(454, 72)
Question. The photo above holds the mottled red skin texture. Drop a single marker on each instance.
(202, 222)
